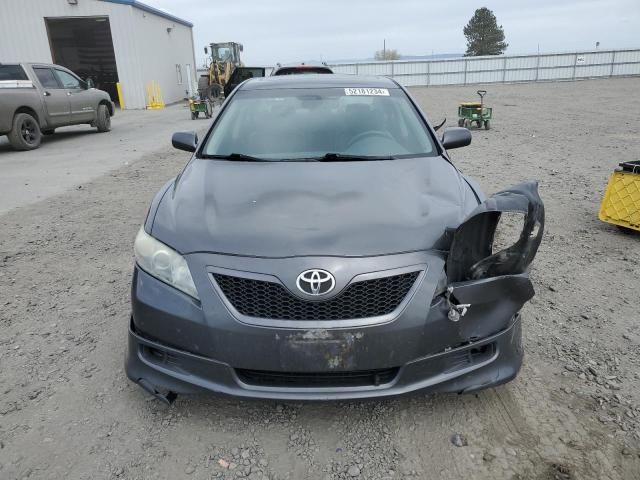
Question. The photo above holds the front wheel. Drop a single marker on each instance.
(103, 121)
(487, 125)
(461, 122)
(25, 133)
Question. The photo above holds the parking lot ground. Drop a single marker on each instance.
(68, 412)
(77, 154)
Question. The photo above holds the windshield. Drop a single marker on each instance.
(290, 124)
(222, 54)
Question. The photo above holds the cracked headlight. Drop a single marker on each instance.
(164, 263)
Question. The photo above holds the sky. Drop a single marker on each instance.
(298, 30)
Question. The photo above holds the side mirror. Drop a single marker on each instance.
(89, 83)
(187, 141)
(456, 137)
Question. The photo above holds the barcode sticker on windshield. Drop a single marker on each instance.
(367, 91)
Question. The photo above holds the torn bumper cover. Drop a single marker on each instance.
(177, 345)
(472, 254)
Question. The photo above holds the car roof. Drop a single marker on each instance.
(301, 64)
(317, 81)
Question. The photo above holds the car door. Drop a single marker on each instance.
(81, 99)
(56, 100)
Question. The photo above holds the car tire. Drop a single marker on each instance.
(25, 133)
(487, 125)
(103, 120)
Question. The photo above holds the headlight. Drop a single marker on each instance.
(164, 263)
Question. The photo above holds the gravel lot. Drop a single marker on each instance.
(68, 412)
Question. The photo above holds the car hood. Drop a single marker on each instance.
(284, 209)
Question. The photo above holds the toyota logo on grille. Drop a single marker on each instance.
(315, 282)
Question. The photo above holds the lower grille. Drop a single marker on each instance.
(365, 299)
(362, 378)
(467, 357)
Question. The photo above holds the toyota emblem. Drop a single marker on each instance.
(315, 282)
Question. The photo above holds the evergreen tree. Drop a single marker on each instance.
(484, 36)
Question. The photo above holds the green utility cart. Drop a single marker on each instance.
(198, 106)
(475, 112)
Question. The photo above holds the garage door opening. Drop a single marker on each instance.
(84, 45)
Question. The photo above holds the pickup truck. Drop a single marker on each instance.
(37, 98)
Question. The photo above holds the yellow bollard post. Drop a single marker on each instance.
(120, 100)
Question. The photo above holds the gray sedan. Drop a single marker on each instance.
(320, 244)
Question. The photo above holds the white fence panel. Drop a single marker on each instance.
(375, 68)
(557, 60)
(595, 58)
(627, 56)
(485, 64)
(498, 69)
(521, 62)
(485, 77)
(447, 66)
(413, 80)
(351, 69)
(520, 75)
(558, 73)
(627, 69)
(590, 71)
(447, 79)
(405, 68)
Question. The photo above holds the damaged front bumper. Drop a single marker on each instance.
(459, 329)
(164, 372)
(419, 350)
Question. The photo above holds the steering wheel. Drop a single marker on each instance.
(370, 133)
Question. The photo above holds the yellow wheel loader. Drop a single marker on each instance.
(225, 71)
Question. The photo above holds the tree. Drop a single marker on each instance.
(484, 36)
(387, 55)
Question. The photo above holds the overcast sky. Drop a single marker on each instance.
(297, 30)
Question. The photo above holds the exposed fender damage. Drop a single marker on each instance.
(471, 256)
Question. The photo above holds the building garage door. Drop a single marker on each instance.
(84, 46)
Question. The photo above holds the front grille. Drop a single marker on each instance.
(369, 298)
(360, 378)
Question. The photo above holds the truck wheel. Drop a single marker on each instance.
(487, 125)
(103, 121)
(25, 134)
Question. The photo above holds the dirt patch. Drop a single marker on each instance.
(68, 412)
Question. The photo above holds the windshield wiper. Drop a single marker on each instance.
(345, 157)
(236, 156)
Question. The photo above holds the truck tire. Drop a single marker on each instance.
(25, 134)
(103, 120)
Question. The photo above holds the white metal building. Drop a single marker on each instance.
(109, 41)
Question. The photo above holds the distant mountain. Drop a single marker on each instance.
(438, 56)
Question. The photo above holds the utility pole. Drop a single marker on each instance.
(384, 49)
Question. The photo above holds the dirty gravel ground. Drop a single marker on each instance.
(68, 412)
